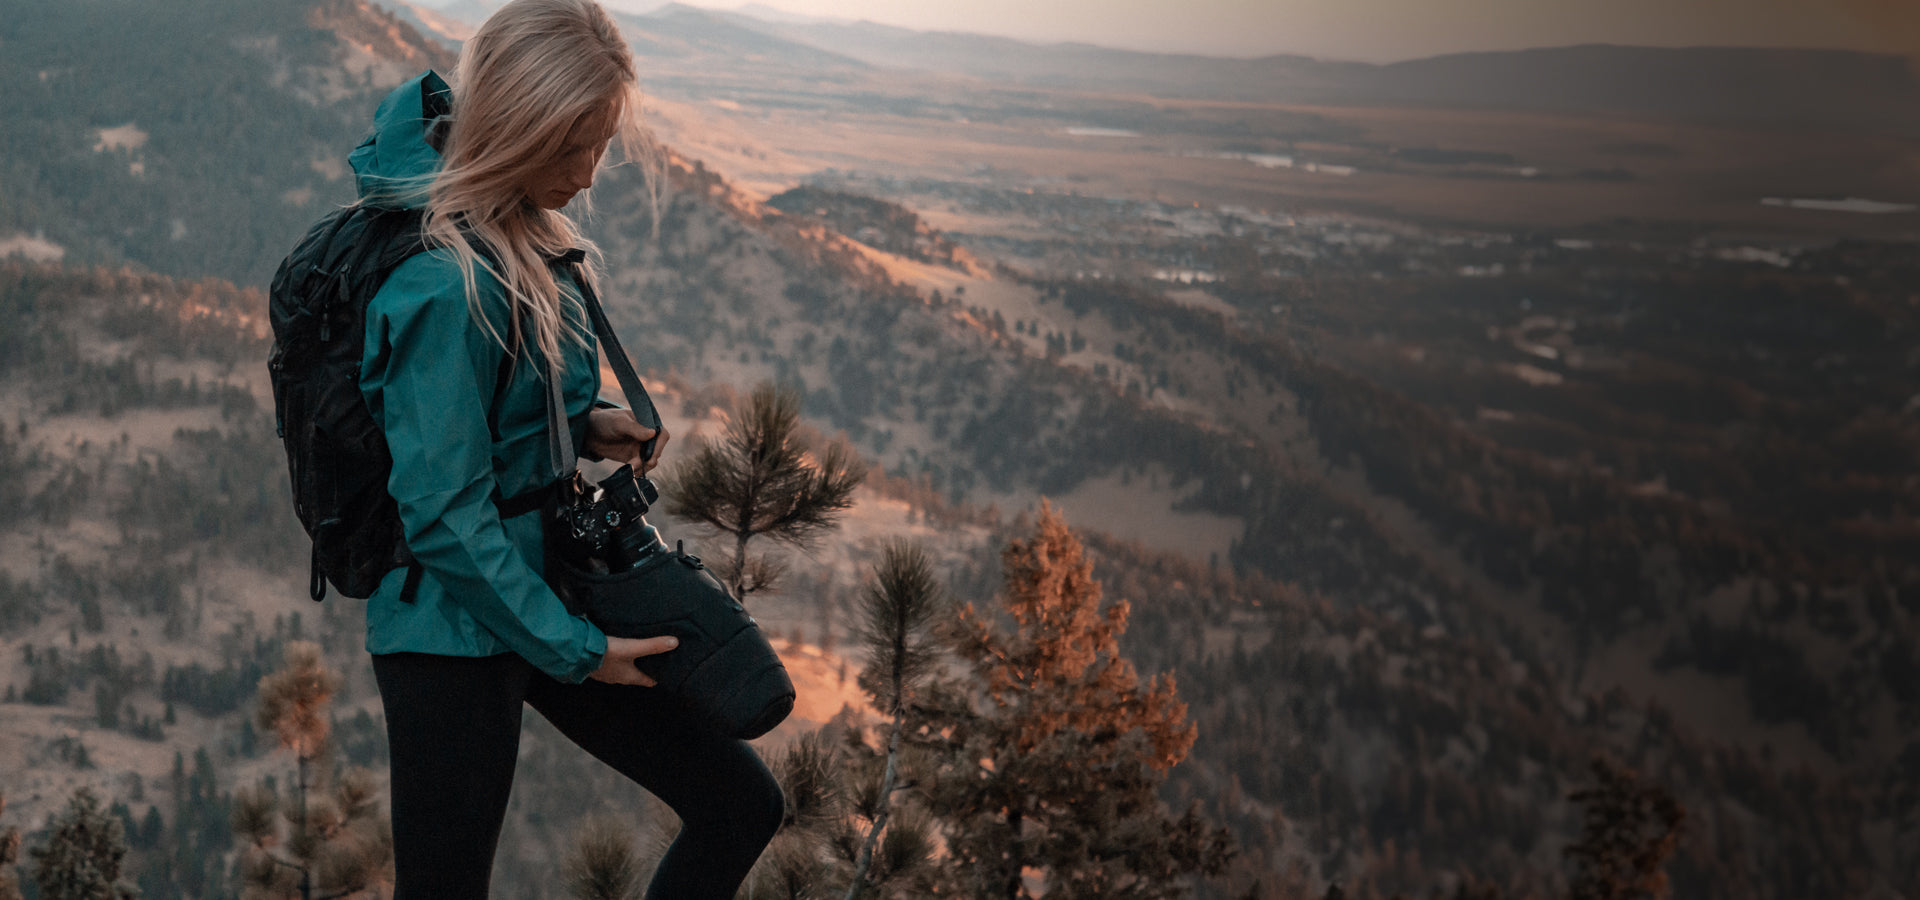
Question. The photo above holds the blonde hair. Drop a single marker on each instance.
(532, 70)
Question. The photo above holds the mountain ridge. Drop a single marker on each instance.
(1855, 91)
(1860, 91)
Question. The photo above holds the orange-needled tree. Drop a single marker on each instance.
(1052, 754)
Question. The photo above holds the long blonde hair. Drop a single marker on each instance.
(532, 70)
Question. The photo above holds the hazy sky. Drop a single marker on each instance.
(1383, 30)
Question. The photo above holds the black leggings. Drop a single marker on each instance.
(453, 725)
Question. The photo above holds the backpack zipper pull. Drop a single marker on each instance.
(339, 277)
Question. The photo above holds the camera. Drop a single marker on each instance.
(602, 528)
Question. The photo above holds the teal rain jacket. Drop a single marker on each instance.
(428, 375)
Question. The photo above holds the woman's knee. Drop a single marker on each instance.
(755, 805)
(772, 806)
(762, 805)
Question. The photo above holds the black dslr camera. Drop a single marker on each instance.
(602, 528)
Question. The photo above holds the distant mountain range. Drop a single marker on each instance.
(676, 30)
(1829, 89)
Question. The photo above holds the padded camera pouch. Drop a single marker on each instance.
(725, 673)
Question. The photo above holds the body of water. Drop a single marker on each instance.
(1851, 204)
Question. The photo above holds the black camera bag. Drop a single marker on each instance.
(725, 672)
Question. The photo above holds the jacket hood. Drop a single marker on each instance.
(395, 165)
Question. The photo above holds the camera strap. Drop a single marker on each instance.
(559, 444)
(636, 393)
(559, 439)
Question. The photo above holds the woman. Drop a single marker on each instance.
(540, 91)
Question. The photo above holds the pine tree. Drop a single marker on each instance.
(191, 859)
(899, 609)
(761, 479)
(82, 858)
(9, 856)
(1630, 830)
(337, 843)
(1053, 757)
(845, 835)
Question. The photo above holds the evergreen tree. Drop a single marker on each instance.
(194, 842)
(337, 844)
(1630, 830)
(899, 608)
(9, 856)
(82, 858)
(844, 835)
(761, 479)
(1051, 760)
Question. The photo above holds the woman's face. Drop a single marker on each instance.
(552, 184)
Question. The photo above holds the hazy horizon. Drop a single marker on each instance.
(1380, 30)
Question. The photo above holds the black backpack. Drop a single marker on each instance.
(336, 453)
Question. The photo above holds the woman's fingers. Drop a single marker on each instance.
(648, 646)
(617, 666)
(633, 437)
(659, 447)
(636, 436)
(613, 434)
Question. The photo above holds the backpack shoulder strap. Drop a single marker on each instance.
(385, 239)
(389, 238)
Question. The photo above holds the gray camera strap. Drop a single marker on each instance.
(559, 439)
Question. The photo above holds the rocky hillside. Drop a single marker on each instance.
(1389, 623)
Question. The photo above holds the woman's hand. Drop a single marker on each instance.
(614, 435)
(617, 666)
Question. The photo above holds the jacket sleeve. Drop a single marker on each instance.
(427, 374)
